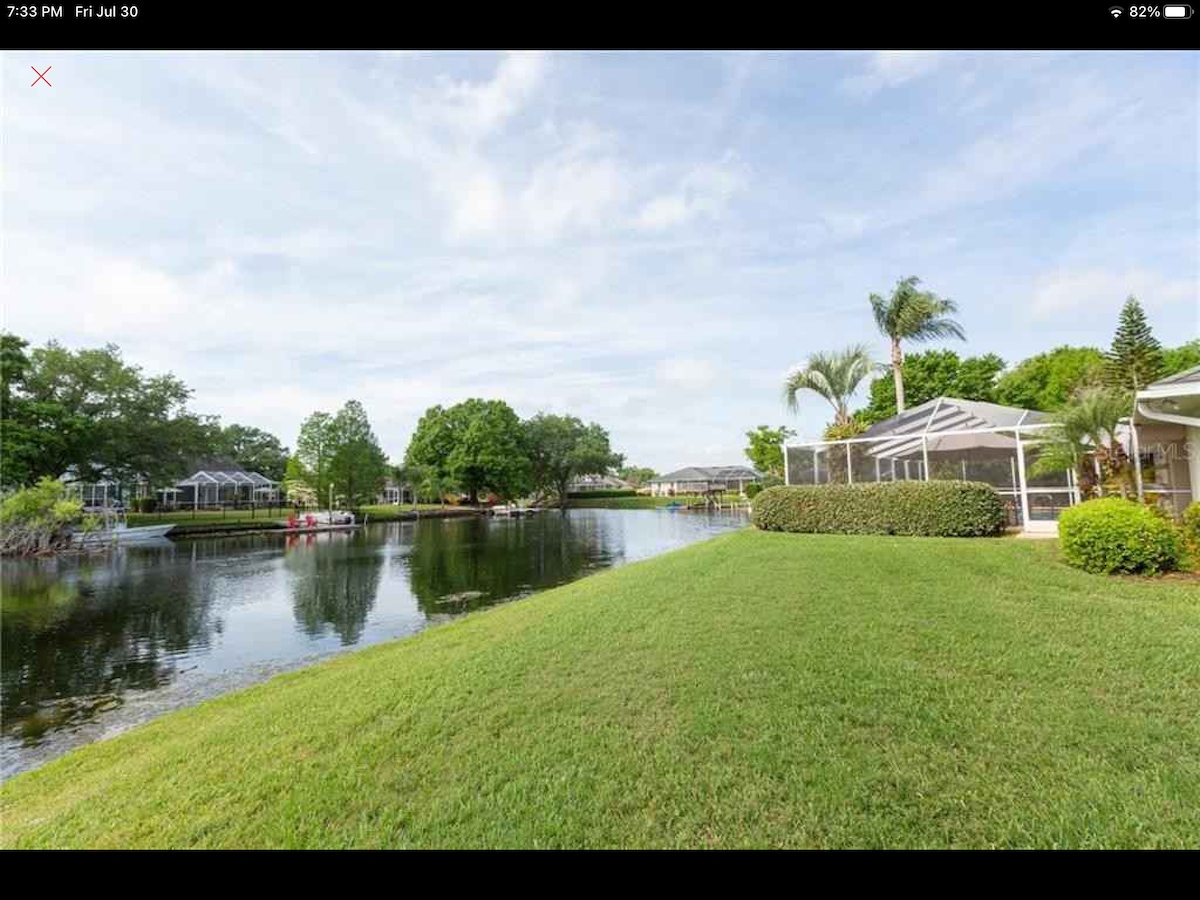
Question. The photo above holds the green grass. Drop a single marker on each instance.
(642, 502)
(389, 512)
(754, 690)
(208, 516)
(186, 517)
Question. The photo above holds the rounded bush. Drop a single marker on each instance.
(753, 489)
(1112, 535)
(925, 508)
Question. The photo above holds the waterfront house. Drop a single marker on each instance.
(586, 483)
(394, 493)
(703, 480)
(219, 483)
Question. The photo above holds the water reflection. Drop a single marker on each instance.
(91, 645)
(68, 635)
(334, 588)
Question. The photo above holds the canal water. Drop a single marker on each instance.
(93, 646)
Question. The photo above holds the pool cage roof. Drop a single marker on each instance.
(228, 477)
(945, 424)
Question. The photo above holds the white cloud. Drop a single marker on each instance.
(687, 373)
(481, 109)
(1098, 290)
(703, 192)
(890, 68)
(645, 240)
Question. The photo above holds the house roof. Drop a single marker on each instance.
(1187, 376)
(1175, 398)
(707, 473)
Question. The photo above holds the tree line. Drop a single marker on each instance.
(483, 447)
(91, 413)
(98, 417)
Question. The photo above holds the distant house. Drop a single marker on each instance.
(704, 479)
(585, 483)
(393, 493)
(218, 483)
(105, 492)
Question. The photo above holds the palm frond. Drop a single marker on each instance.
(834, 376)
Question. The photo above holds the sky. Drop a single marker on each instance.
(650, 241)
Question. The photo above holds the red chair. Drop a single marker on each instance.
(310, 521)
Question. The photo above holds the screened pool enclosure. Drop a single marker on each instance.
(948, 440)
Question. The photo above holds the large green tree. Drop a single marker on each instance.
(90, 412)
(1048, 380)
(910, 314)
(832, 376)
(315, 448)
(765, 448)
(358, 465)
(1177, 359)
(1135, 358)
(489, 451)
(433, 441)
(563, 448)
(254, 450)
(934, 373)
(21, 442)
(477, 444)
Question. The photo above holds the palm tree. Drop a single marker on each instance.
(913, 315)
(1088, 425)
(835, 376)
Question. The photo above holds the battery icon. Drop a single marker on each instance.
(1177, 12)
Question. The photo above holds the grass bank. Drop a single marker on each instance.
(640, 502)
(755, 690)
(193, 523)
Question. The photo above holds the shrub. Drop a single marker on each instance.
(601, 495)
(145, 504)
(927, 508)
(1113, 535)
(753, 489)
(38, 519)
(1191, 526)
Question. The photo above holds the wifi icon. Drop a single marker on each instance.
(1115, 11)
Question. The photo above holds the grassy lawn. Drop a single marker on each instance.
(641, 502)
(388, 512)
(209, 516)
(185, 517)
(755, 690)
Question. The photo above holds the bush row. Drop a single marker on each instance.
(926, 508)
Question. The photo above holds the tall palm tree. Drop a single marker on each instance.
(834, 376)
(913, 315)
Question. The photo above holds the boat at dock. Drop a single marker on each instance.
(122, 534)
(510, 510)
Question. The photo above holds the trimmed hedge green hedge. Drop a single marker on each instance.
(926, 508)
(1113, 535)
(600, 495)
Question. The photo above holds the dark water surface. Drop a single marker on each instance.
(92, 646)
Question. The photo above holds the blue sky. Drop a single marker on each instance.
(649, 241)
